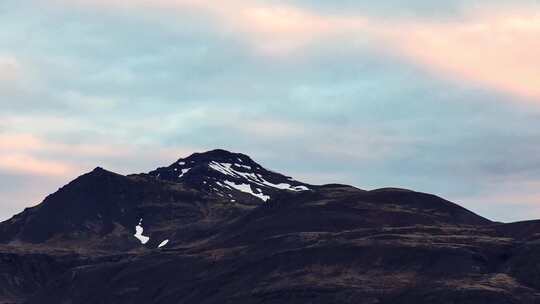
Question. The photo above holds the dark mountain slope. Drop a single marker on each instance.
(234, 232)
(101, 209)
(416, 265)
(427, 204)
(343, 208)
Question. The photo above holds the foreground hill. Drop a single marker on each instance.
(216, 227)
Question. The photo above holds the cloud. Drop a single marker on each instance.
(30, 165)
(25, 143)
(17, 155)
(273, 29)
(495, 47)
(24, 153)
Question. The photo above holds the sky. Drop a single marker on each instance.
(436, 96)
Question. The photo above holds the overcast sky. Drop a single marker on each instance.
(437, 96)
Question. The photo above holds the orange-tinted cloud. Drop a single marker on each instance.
(499, 50)
(27, 164)
(27, 143)
(24, 153)
(17, 156)
(274, 29)
(497, 47)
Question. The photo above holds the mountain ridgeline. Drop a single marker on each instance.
(217, 227)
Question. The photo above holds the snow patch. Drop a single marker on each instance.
(184, 171)
(139, 233)
(181, 163)
(163, 243)
(227, 169)
(246, 188)
(224, 168)
(284, 186)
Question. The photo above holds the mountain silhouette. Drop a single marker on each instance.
(217, 227)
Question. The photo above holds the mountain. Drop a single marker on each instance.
(228, 174)
(217, 227)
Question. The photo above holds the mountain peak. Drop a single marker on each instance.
(217, 152)
(100, 170)
(217, 155)
(98, 173)
(230, 175)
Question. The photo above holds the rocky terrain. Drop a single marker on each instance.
(216, 227)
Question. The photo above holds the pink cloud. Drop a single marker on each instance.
(498, 50)
(273, 29)
(20, 163)
(496, 47)
(16, 155)
(18, 142)
(27, 143)
(280, 29)
(28, 154)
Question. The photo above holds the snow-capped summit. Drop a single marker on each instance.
(229, 175)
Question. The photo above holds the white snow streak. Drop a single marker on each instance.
(163, 243)
(246, 188)
(184, 171)
(284, 186)
(224, 168)
(227, 169)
